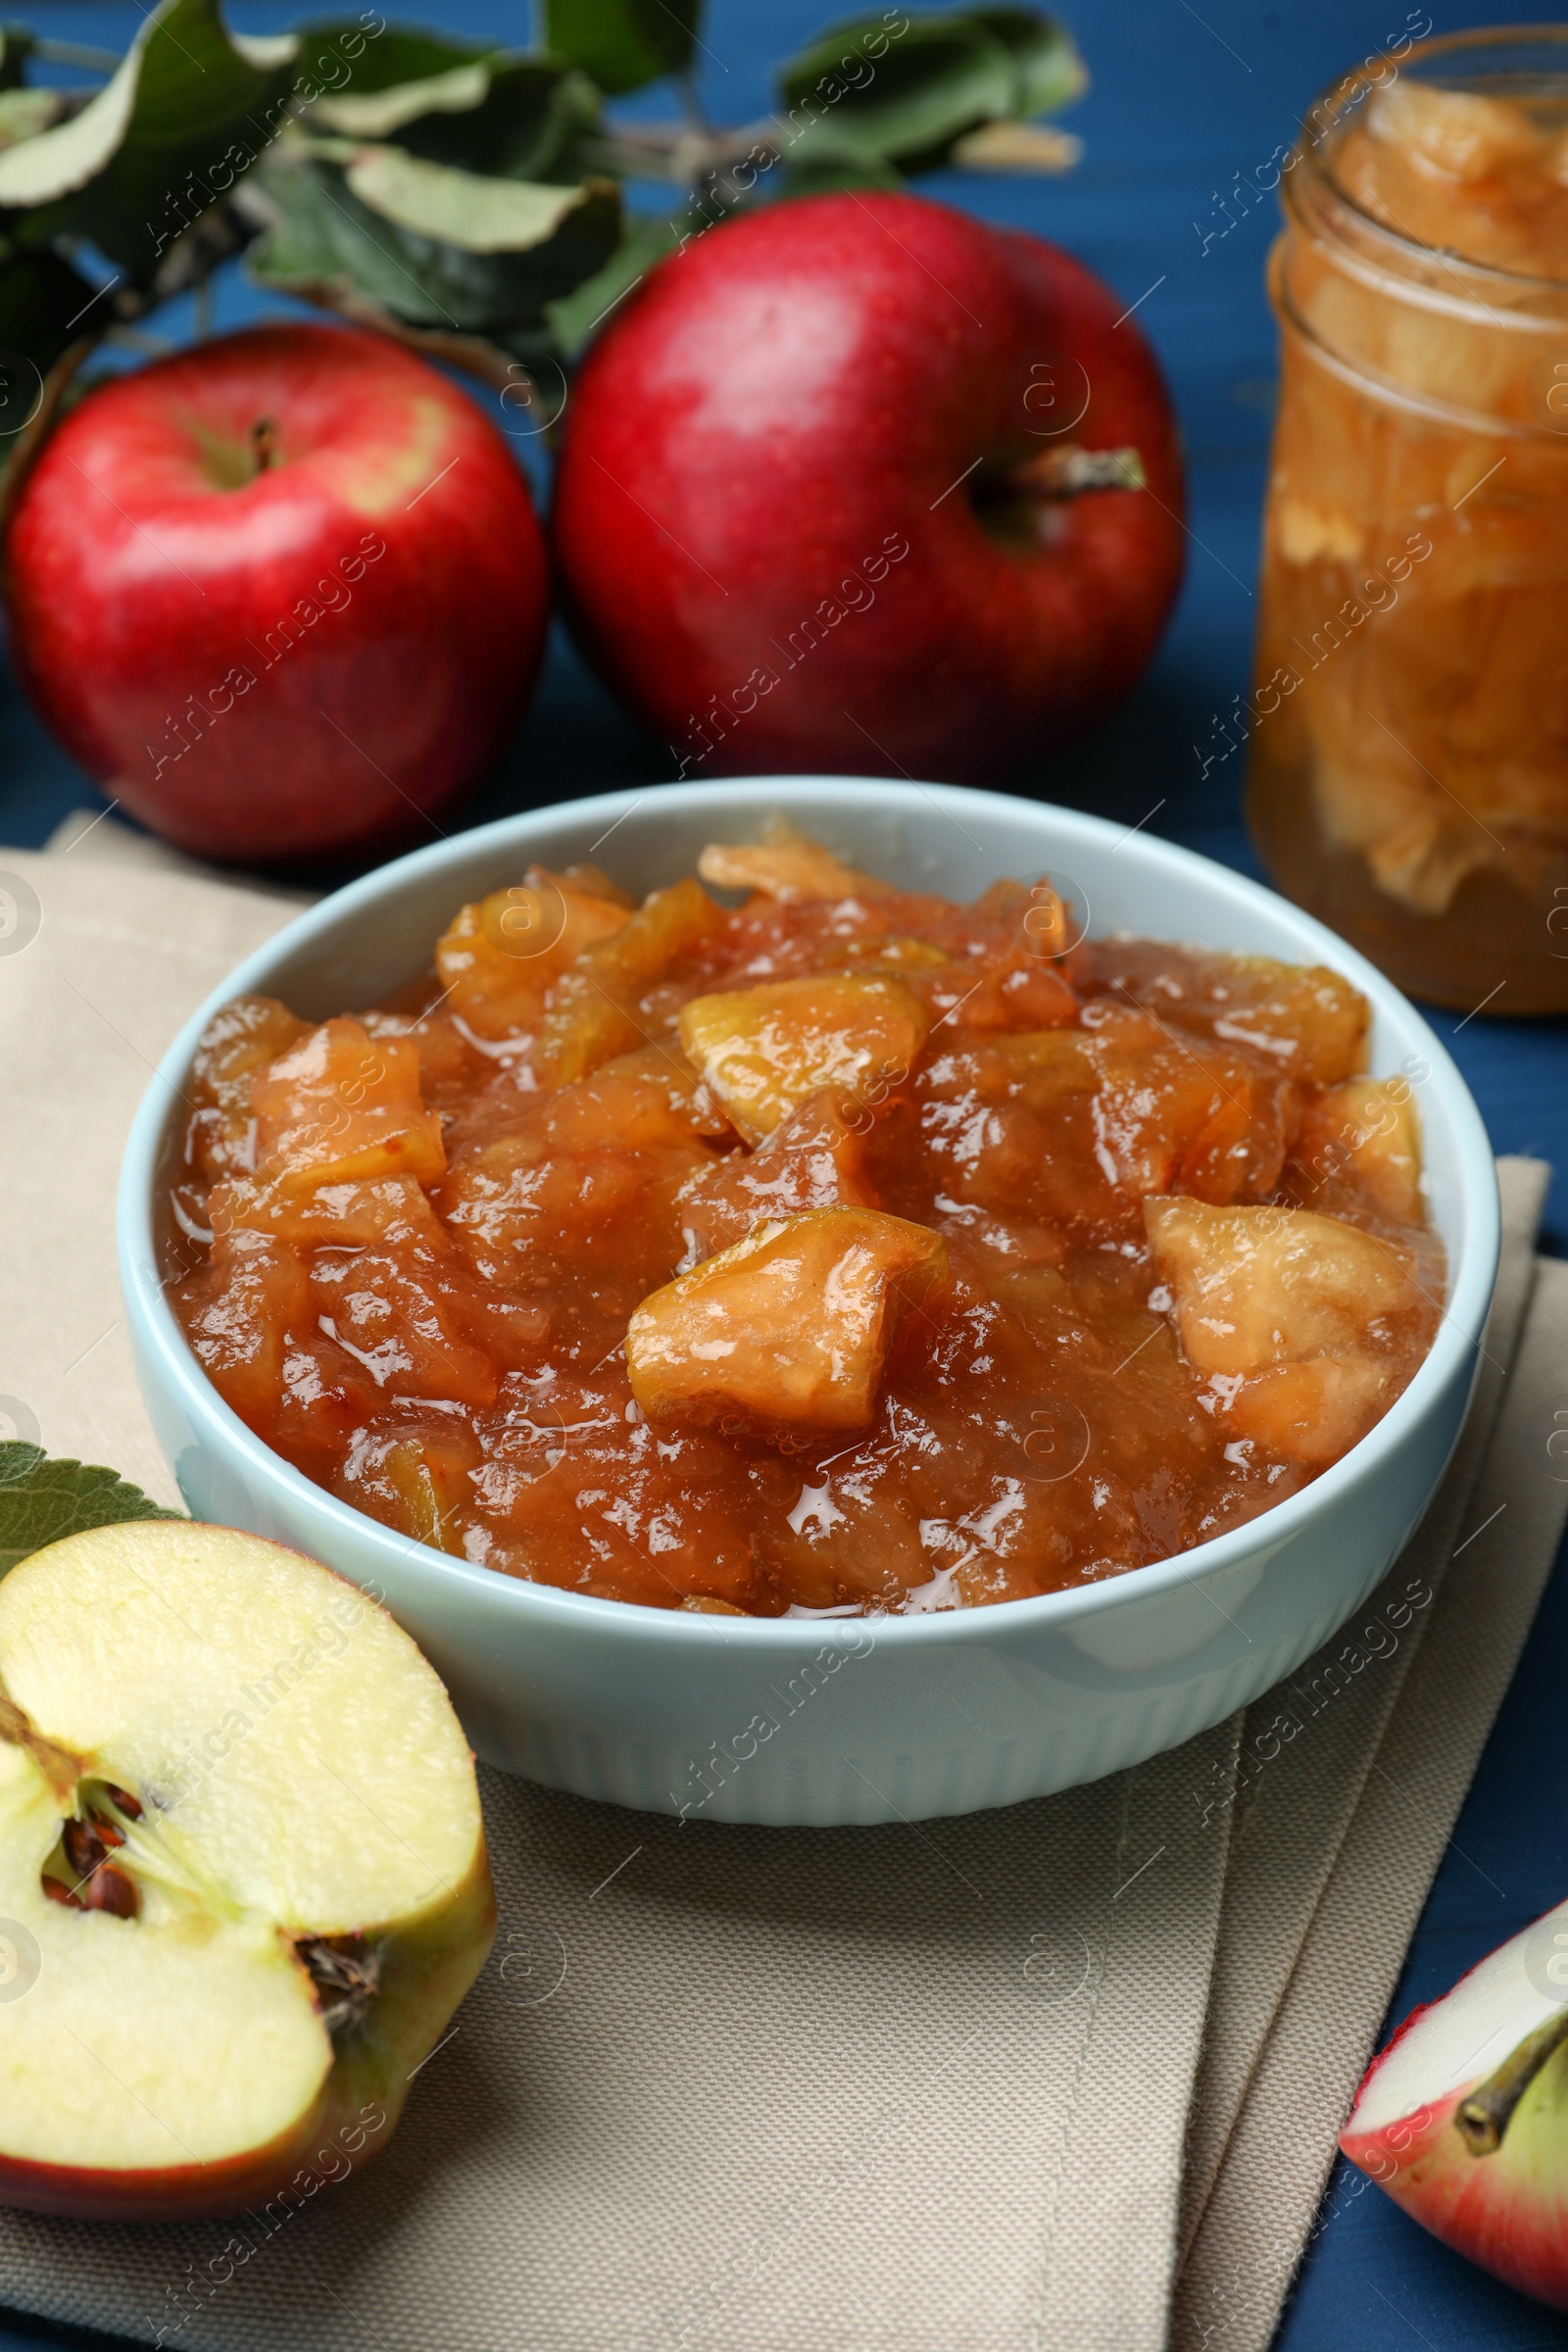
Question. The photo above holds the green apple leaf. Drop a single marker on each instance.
(134, 167)
(623, 43)
(369, 61)
(575, 318)
(1051, 73)
(905, 91)
(42, 298)
(382, 113)
(435, 246)
(24, 114)
(825, 167)
(17, 45)
(533, 120)
(42, 1501)
(465, 209)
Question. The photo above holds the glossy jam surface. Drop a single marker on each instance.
(1409, 731)
(832, 1248)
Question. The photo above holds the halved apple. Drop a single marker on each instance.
(243, 1877)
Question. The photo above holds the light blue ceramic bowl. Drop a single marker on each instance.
(846, 1719)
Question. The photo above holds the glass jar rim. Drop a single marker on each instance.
(1353, 88)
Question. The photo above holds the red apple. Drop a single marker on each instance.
(1464, 2119)
(839, 491)
(282, 594)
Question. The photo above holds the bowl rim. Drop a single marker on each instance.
(441, 1574)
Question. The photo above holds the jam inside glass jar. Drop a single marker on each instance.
(1409, 754)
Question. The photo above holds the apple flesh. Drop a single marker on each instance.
(284, 594)
(844, 488)
(1464, 2119)
(243, 1877)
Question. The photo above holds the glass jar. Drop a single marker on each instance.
(1409, 773)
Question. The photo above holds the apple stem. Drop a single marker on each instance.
(1063, 473)
(60, 1768)
(1484, 2117)
(264, 442)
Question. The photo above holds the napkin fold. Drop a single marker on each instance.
(1066, 2074)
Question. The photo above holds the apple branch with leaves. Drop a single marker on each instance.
(467, 199)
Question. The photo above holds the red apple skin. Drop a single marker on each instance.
(148, 564)
(791, 399)
(186, 2192)
(1506, 2212)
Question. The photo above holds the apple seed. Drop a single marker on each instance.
(86, 1840)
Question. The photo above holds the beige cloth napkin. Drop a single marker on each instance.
(904, 2090)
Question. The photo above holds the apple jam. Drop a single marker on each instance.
(1409, 720)
(835, 1249)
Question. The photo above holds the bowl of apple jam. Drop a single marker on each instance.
(816, 1300)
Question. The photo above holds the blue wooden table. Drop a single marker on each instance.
(1182, 101)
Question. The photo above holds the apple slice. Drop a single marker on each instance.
(788, 867)
(243, 1877)
(340, 1108)
(499, 958)
(790, 1328)
(761, 1051)
(1292, 1317)
(593, 1015)
(1462, 2118)
(1361, 1140)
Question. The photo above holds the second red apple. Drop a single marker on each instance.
(857, 482)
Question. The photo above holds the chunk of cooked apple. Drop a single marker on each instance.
(788, 867)
(788, 1329)
(1302, 1020)
(592, 1016)
(236, 1046)
(497, 957)
(582, 1181)
(1360, 1140)
(1288, 1314)
(242, 1854)
(813, 1159)
(343, 1107)
(763, 1050)
(1460, 133)
(348, 1216)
